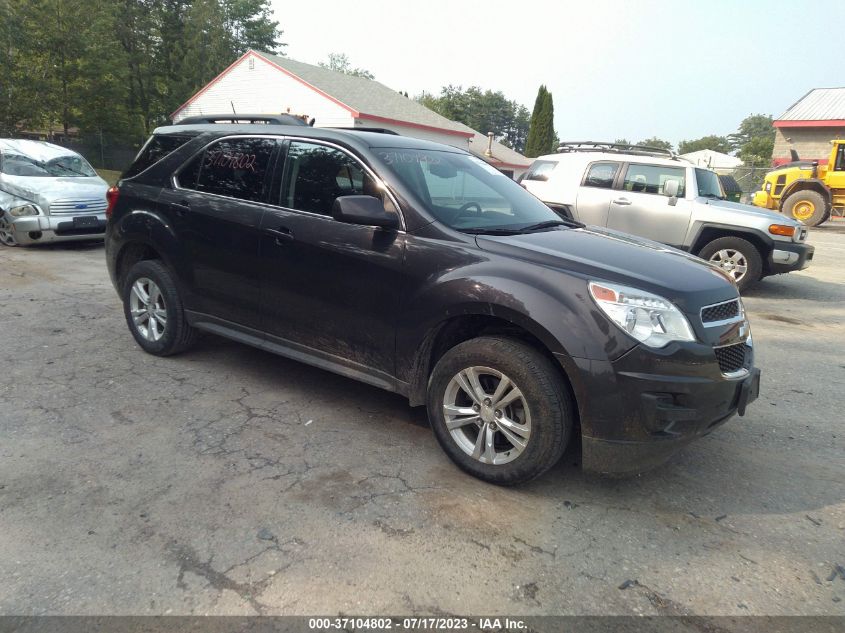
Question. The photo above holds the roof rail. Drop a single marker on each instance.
(378, 130)
(620, 148)
(267, 119)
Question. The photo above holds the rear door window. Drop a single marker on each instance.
(601, 175)
(157, 147)
(652, 178)
(236, 168)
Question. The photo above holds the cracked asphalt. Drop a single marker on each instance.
(230, 481)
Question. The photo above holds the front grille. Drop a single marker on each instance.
(720, 311)
(73, 206)
(731, 357)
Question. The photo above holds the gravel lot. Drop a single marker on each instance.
(230, 481)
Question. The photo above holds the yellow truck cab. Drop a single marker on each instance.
(805, 190)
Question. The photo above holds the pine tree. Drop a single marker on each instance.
(541, 131)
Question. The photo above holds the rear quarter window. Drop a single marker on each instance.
(540, 170)
(156, 148)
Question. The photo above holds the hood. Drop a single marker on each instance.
(601, 254)
(752, 211)
(44, 191)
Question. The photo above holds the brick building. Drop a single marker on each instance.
(809, 125)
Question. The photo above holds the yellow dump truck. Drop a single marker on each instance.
(805, 190)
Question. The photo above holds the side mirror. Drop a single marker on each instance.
(670, 189)
(364, 210)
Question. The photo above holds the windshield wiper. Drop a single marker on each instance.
(552, 223)
(70, 169)
(517, 230)
(490, 231)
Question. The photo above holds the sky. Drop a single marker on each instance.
(674, 69)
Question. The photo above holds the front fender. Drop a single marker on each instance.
(553, 306)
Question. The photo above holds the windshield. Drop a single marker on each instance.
(466, 193)
(708, 184)
(69, 165)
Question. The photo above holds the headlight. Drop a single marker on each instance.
(652, 320)
(768, 187)
(27, 209)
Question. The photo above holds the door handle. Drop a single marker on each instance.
(622, 201)
(281, 234)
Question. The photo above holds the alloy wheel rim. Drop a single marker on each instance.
(6, 235)
(731, 261)
(148, 310)
(486, 415)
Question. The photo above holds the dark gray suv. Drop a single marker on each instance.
(421, 269)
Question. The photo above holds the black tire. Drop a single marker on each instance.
(754, 261)
(801, 200)
(178, 335)
(545, 396)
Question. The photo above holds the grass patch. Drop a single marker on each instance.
(108, 175)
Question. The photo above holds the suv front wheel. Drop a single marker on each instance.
(153, 310)
(499, 409)
(737, 257)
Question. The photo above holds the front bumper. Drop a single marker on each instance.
(639, 410)
(788, 256)
(38, 229)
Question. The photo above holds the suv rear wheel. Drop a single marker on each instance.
(499, 409)
(153, 310)
(737, 257)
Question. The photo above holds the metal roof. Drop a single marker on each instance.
(365, 96)
(819, 104)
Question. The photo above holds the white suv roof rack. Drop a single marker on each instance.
(618, 148)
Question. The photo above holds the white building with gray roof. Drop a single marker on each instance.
(261, 83)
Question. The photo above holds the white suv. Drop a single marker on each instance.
(657, 195)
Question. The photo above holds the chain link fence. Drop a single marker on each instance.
(749, 179)
(101, 153)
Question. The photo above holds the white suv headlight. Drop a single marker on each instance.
(652, 320)
(26, 209)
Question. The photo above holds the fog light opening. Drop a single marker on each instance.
(35, 235)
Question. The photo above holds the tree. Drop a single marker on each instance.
(711, 142)
(18, 99)
(622, 141)
(541, 132)
(482, 110)
(657, 143)
(755, 139)
(339, 62)
(250, 24)
(117, 68)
